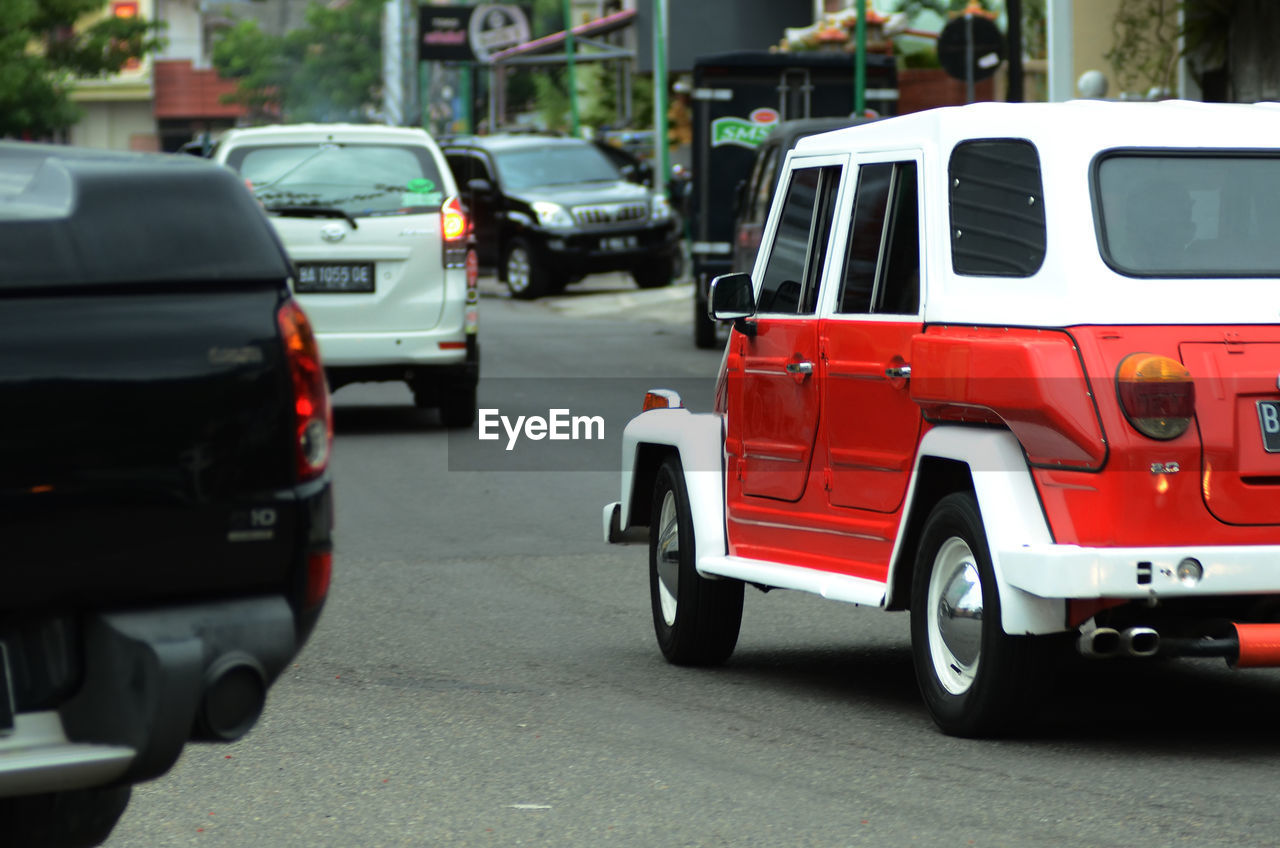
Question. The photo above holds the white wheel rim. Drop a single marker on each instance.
(954, 616)
(667, 557)
(518, 270)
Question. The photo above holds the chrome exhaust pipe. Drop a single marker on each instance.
(1140, 642)
(1099, 643)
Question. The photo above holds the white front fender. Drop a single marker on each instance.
(698, 440)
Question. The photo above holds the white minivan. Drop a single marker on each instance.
(371, 217)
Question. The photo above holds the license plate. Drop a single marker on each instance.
(334, 277)
(1269, 419)
(619, 243)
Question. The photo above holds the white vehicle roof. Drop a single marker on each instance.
(285, 133)
(1074, 285)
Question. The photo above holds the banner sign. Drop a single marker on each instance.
(470, 33)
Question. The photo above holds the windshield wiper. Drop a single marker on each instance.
(295, 211)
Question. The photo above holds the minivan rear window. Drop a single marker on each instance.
(1162, 213)
(359, 179)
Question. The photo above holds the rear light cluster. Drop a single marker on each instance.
(313, 414)
(1157, 395)
(455, 230)
(472, 319)
(319, 575)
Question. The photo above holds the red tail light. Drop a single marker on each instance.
(319, 573)
(313, 414)
(453, 221)
(1156, 394)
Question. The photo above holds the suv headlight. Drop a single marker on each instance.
(552, 215)
(660, 210)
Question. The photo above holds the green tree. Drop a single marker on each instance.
(42, 54)
(330, 69)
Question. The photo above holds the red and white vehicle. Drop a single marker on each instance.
(1014, 367)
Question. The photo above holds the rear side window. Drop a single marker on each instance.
(882, 266)
(997, 208)
(359, 179)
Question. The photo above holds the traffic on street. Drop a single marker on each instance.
(486, 674)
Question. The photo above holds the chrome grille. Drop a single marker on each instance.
(610, 213)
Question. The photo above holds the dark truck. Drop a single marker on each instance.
(164, 484)
(738, 97)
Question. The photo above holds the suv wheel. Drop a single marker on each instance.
(458, 406)
(654, 274)
(525, 275)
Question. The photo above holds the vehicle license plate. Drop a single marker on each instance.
(619, 243)
(1269, 419)
(335, 277)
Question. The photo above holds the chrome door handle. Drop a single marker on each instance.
(900, 372)
(799, 367)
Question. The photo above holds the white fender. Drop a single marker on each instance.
(1011, 515)
(699, 440)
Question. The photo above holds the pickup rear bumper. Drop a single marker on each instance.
(153, 680)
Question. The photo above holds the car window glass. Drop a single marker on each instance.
(463, 167)
(765, 181)
(793, 273)
(359, 179)
(553, 164)
(865, 236)
(898, 284)
(997, 208)
(1205, 214)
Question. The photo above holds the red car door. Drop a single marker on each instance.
(872, 426)
(774, 396)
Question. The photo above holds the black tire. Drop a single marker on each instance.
(655, 273)
(73, 819)
(975, 679)
(458, 406)
(704, 329)
(525, 274)
(695, 619)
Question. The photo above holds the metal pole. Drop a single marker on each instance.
(661, 149)
(1015, 91)
(392, 63)
(968, 58)
(860, 63)
(573, 77)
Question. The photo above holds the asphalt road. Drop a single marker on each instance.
(485, 672)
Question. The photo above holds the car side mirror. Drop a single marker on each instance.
(479, 185)
(733, 299)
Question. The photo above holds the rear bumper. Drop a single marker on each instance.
(146, 687)
(429, 347)
(451, 364)
(1070, 571)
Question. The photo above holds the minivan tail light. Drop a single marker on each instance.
(1157, 395)
(455, 228)
(453, 221)
(313, 413)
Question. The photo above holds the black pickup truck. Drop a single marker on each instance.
(165, 502)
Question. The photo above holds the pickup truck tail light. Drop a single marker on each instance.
(1157, 395)
(455, 229)
(313, 414)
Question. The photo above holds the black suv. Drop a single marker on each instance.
(549, 210)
